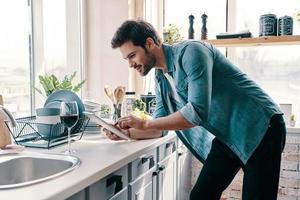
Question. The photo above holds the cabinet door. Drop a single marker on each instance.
(167, 178)
(167, 149)
(183, 174)
(122, 195)
(110, 185)
(144, 188)
(142, 164)
(78, 196)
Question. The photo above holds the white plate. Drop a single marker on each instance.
(91, 103)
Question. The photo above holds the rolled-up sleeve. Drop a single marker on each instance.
(197, 62)
(190, 114)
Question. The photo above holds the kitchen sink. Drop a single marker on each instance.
(26, 168)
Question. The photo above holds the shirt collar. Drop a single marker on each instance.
(168, 51)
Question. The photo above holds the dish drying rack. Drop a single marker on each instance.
(26, 133)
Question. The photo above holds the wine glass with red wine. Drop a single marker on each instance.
(69, 117)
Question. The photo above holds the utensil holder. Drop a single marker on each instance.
(117, 112)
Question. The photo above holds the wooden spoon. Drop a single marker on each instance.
(119, 94)
(109, 93)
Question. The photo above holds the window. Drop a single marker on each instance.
(275, 68)
(178, 11)
(37, 37)
(14, 56)
(57, 40)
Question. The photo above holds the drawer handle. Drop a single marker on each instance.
(180, 152)
(156, 172)
(117, 179)
(171, 144)
(161, 168)
(151, 160)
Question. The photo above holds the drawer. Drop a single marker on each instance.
(167, 149)
(110, 185)
(182, 150)
(145, 186)
(122, 195)
(142, 164)
(78, 196)
(179, 142)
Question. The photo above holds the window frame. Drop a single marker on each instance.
(36, 49)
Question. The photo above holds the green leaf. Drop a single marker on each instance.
(66, 84)
(72, 76)
(77, 87)
(51, 83)
(39, 91)
(55, 81)
(46, 84)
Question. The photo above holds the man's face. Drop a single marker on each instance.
(138, 58)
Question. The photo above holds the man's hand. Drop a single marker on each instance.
(113, 136)
(132, 122)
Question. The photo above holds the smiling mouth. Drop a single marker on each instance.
(139, 68)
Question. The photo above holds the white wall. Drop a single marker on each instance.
(103, 65)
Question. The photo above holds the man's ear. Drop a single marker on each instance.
(149, 43)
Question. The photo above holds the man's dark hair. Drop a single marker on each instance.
(135, 31)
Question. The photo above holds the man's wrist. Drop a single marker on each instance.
(147, 124)
(128, 133)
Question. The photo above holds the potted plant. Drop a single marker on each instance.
(139, 110)
(47, 117)
(105, 111)
(292, 120)
(297, 21)
(297, 15)
(172, 35)
(51, 83)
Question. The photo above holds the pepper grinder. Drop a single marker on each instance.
(204, 29)
(191, 28)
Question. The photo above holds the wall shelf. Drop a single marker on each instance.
(260, 41)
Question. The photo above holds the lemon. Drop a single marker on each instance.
(141, 114)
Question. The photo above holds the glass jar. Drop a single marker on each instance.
(129, 100)
(150, 101)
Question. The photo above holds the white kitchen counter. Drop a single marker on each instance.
(99, 157)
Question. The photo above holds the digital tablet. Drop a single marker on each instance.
(106, 125)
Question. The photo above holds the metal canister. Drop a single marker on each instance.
(128, 103)
(285, 25)
(268, 25)
(150, 101)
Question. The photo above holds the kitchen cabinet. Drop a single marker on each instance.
(167, 178)
(142, 177)
(151, 176)
(142, 164)
(144, 187)
(167, 171)
(184, 172)
(78, 196)
(112, 187)
(122, 195)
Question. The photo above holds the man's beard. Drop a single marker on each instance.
(150, 63)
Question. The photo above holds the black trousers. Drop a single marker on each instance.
(261, 172)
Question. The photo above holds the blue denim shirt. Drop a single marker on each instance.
(216, 97)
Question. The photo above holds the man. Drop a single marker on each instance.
(225, 119)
